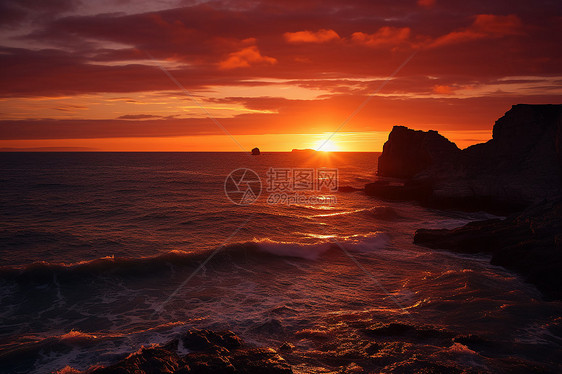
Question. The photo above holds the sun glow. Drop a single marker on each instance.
(326, 145)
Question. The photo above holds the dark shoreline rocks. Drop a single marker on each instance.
(529, 243)
(209, 352)
(517, 172)
(340, 344)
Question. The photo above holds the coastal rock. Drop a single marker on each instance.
(256, 151)
(146, 360)
(529, 243)
(209, 353)
(201, 340)
(520, 165)
(409, 152)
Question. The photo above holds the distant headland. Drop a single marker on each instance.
(307, 150)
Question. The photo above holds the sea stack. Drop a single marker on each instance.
(256, 151)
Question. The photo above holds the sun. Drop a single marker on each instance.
(326, 145)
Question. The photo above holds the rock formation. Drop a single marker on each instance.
(409, 152)
(256, 151)
(209, 352)
(520, 165)
(529, 243)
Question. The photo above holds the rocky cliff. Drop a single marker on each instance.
(520, 165)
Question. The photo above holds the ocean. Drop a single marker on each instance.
(103, 253)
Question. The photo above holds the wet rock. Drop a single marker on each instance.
(529, 243)
(205, 363)
(372, 348)
(352, 368)
(214, 353)
(287, 347)
(146, 360)
(200, 340)
(260, 361)
(421, 367)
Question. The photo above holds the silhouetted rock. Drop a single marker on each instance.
(256, 151)
(210, 353)
(409, 152)
(529, 243)
(520, 165)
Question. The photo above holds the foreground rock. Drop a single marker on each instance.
(529, 243)
(209, 352)
(520, 165)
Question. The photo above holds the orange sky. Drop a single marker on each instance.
(146, 76)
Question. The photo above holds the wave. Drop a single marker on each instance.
(258, 249)
(296, 250)
(384, 213)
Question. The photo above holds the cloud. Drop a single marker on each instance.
(62, 51)
(320, 36)
(138, 116)
(484, 26)
(15, 12)
(443, 89)
(245, 58)
(385, 36)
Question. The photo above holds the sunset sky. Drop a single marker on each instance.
(89, 75)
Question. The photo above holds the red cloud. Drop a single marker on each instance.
(245, 57)
(385, 36)
(443, 89)
(484, 26)
(320, 36)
